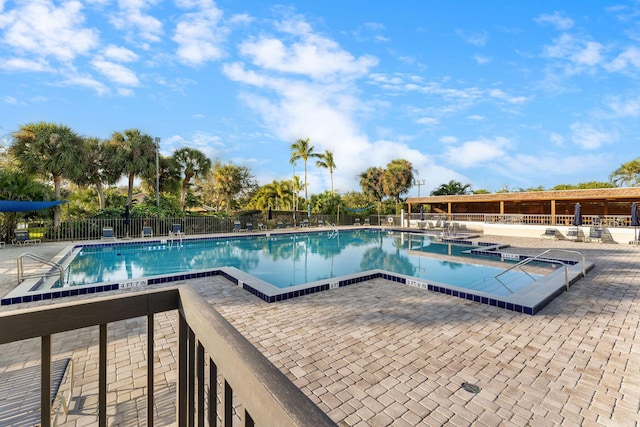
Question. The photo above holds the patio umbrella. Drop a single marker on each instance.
(308, 211)
(127, 215)
(635, 222)
(421, 213)
(269, 214)
(577, 215)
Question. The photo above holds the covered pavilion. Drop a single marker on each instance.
(595, 202)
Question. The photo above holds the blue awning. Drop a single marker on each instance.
(21, 206)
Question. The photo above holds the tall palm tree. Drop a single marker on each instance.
(627, 174)
(232, 180)
(397, 178)
(325, 161)
(302, 149)
(98, 169)
(135, 155)
(193, 163)
(51, 151)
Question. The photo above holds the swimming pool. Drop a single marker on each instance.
(289, 260)
(280, 266)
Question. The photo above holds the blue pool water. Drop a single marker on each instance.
(286, 260)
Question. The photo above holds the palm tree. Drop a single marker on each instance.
(627, 174)
(51, 151)
(451, 188)
(231, 180)
(301, 149)
(325, 160)
(397, 178)
(135, 156)
(98, 170)
(193, 163)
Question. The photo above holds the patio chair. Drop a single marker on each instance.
(249, 226)
(549, 233)
(176, 229)
(320, 223)
(573, 234)
(280, 224)
(367, 222)
(261, 226)
(356, 222)
(595, 235)
(107, 233)
(147, 231)
(20, 393)
(22, 238)
(304, 223)
(237, 226)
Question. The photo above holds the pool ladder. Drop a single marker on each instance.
(172, 237)
(539, 257)
(22, 276)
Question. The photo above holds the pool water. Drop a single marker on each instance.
(286, 260)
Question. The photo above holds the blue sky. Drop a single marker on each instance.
(491, 93)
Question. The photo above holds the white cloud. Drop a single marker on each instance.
(199, 35)
(430, 121)
(117, 73)
(477, 39)
(624, 107)
(120, 54)
(448, 140)
(475, 117)
(577, 54)
(41, 29)
(307, 54)
(85, 81)
(557, 139)
(627, 59)
(21, 64)
(472, 153)
(133, 18)
(589, 138)
(481, 59)
(556, 20)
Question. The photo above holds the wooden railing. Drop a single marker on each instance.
(265, 393)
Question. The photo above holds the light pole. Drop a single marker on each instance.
(419, 183)
(157, 173)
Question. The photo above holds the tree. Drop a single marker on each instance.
(584, 185)
(97, 168)
(325, 161)
(193, 163)
(51, 151)
(135, 156)
(231, 180)
(397, 178)
(627, 174)
(371, 184)
(301, 149)
(451, 188)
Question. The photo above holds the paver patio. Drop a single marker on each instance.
(381, 353)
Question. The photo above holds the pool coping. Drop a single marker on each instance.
(528, 300)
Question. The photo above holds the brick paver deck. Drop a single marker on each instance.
(380, 353)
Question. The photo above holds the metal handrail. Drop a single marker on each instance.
(538, 257)
(22, 276)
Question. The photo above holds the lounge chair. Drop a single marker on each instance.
(549, 233)
(22, 238)
(107, 233)
(573, 234)
(147, 231)
(320, 223)
(367, 222)
(356, 222)
(280, 224)
(176, 229)
(595, 235)
(20, 393)
(237, 226)
(249, 226)
(304, 223)
(261, 226)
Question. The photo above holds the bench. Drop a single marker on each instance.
(20, 393)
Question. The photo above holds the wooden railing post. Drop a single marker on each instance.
(150, 369)
(45, 381)
(181, 389)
